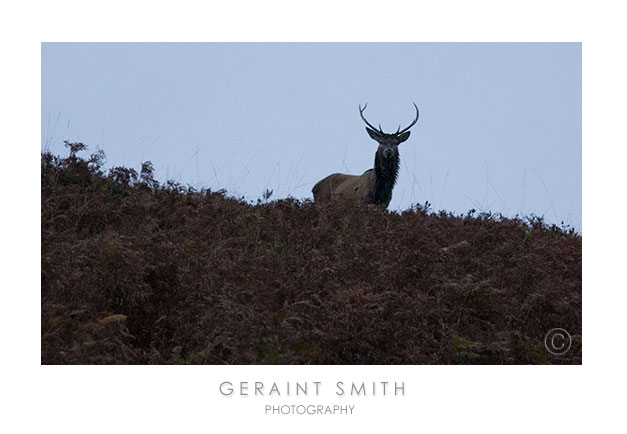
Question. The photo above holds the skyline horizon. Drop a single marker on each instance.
(142, 102)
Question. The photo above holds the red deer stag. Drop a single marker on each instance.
(375, 185)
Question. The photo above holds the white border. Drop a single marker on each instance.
(440, 399)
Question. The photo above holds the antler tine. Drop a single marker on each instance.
(413, 123)
(361, 113)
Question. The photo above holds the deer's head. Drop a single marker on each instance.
(388, 143)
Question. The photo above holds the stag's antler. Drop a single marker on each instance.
(398, 131)
(413, 123)
(361, 113)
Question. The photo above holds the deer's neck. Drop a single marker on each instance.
(386, 172)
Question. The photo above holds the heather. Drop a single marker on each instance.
(134, 271)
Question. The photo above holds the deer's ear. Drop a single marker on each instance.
(403, 137)
(373, 134)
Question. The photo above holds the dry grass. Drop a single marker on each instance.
(138, 272)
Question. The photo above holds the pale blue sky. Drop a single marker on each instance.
(499, 128)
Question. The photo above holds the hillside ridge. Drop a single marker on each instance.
(140, 272)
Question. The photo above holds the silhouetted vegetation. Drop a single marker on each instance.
(135, 271)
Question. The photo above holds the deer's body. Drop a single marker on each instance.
(375, 185)
(345, 187)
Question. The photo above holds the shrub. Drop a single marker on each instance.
(138, 272)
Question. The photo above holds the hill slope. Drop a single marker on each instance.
(137, 272)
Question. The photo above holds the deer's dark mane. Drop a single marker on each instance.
(386, 172)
